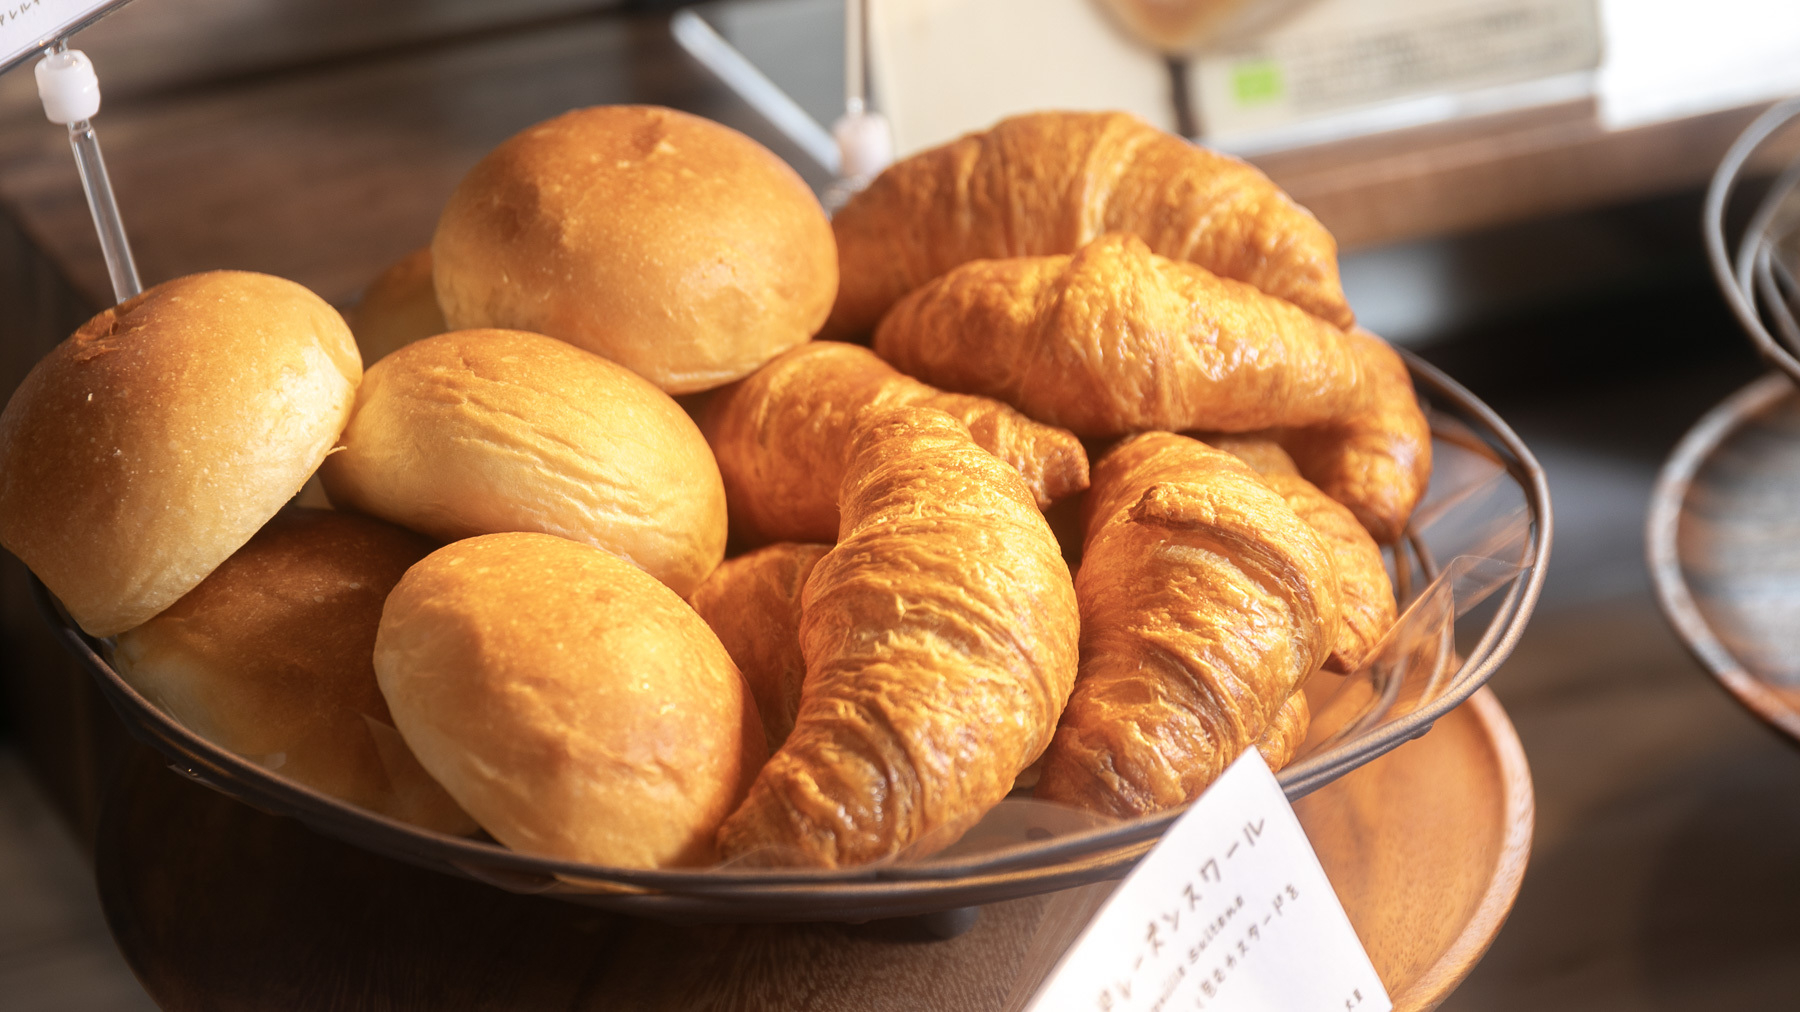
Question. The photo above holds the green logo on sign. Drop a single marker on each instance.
(1256, 83)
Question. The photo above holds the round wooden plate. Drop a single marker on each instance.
(218, 906)
(1723, 538)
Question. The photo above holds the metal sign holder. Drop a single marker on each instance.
(70, 91)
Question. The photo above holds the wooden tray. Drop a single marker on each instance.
(218, 906)
(1724, 546)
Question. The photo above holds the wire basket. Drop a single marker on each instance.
(1717, 535)
(1375, 712)
(1759, 278)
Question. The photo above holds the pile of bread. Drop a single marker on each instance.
(516, 614)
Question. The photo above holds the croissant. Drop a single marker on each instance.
(1115, 339)
(753, 603)
(1205, 600)
(1050, 182)
(1377, 462)
(940, 637)
(1366, 594)
(779, 435)
(1286, 732)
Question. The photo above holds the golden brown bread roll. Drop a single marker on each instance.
(679, 248)
(1286, 732)
(753, 603)
(1377, 462)
(145, 449)
(940, 639)
(271, 657)
(575, 707)
(780, 437)
(1050, 182)
(486, 431)
(1205, 600)
(1114, 340)
(398, 308)
(1367, 595)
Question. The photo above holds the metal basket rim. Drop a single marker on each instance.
(1725, 268)
(1662, 530)
(873, 890)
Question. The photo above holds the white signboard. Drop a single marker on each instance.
(1318, 69)
(1377, 64)
(1667, 59)
(27, 26)
(945, 67)
(1230, 913)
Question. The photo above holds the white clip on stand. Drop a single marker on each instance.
(71, 96)
(860, 143)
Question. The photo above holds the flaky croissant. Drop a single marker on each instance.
(1286, 732)
(1115, 339)
(1050, 182)
(1205, 600)
(780, 435)
(1367, 595)
(940, 637)
(1378, 461)
(753, 603)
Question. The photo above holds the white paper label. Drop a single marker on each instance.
(29, 25)
(1230, 913)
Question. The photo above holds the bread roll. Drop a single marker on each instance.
(486, 431)
(149, 446)
(672, 245)
(271, 657)
(753, 603)
(576, 707)
(399, 307)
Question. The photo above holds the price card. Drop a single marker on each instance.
(27, 26)
(1230, 913)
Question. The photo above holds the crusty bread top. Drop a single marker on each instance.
(488, 431)
(148, 446)
(672, 245)
(398, 308)
(574, 706)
